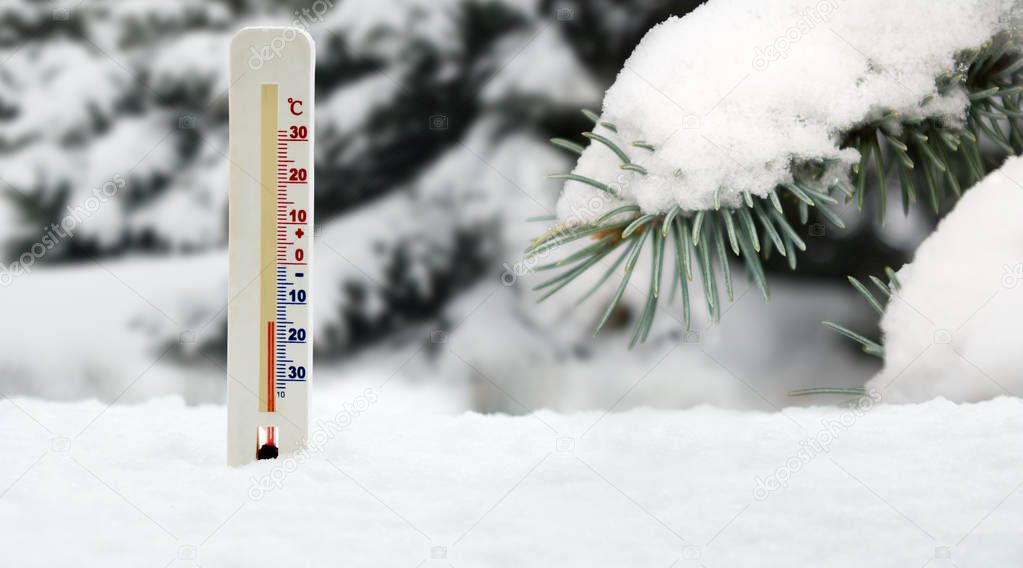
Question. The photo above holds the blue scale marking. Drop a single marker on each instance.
(282, 309)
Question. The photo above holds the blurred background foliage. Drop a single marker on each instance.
(432, 125)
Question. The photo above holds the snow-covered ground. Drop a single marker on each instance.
(392, 482)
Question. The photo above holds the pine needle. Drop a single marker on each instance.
(611, 145)
(568, 145)
(867, 343)
(585, 180)
(630, 265)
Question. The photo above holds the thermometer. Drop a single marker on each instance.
(270, 235)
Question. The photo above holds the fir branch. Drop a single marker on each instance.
(927, 155)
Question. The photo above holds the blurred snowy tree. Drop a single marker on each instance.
(107, 107)
(432, 145)
(433, 120)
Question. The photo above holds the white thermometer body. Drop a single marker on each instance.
(269, 345)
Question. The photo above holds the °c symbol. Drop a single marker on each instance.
(296, 106)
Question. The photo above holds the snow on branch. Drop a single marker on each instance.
(725, 100)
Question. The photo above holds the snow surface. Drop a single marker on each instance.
(953, 330)
(935, 484)
(731, 94)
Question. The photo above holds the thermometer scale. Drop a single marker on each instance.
(269, 333)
